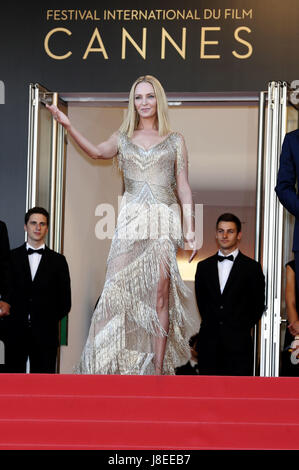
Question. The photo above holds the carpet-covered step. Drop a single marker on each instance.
(133, 412)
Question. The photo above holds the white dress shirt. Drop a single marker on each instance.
(224, 268)
(34, 259)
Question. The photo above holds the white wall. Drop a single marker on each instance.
(222, 145)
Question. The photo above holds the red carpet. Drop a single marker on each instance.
(129, 412)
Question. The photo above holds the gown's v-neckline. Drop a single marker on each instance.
(153, 146)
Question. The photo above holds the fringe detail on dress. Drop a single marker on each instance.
(131, 289)
(130, 294)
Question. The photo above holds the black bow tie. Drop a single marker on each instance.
(30, 251)
(221, 258)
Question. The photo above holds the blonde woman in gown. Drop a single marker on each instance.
(139, 323)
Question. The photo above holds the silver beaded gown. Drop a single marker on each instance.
(125, 323)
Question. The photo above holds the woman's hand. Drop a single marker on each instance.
(294, 328)
(194, 253)
(190, 239)
(59, 116)
(4, 309)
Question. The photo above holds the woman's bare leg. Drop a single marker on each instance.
(163, 315)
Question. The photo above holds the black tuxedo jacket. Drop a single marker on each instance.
(46, 299)
(5, 284)
(227, 318)
(186, 369)
(287, 177)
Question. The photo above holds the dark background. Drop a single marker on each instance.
(274, 37)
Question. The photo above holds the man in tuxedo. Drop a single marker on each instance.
(41, 296)
(230, 293)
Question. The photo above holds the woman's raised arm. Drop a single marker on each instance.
(104, 150)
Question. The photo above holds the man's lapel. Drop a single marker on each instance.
(215, 275)
(25, 266)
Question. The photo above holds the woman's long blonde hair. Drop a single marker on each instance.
(131, 120)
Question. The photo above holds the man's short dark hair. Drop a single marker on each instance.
(36, 210)
(227, 217)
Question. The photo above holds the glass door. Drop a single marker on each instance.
(281, 117)
(46, 166)
(46, 160)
